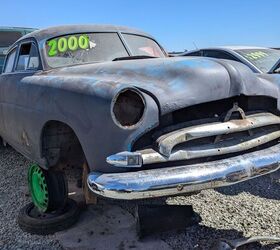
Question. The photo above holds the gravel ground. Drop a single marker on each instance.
(248, 209)
(13, 189)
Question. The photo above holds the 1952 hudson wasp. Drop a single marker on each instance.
(108, 102)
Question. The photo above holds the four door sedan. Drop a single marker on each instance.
(105, 106)
(258, 59)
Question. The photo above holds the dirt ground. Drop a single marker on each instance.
(247, 209)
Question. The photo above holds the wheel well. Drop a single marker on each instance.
(63, 151)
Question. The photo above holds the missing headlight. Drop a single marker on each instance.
(128, 108)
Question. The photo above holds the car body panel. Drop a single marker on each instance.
(81, 96)
(61, 94)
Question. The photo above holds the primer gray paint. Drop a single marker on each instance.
(81, 97)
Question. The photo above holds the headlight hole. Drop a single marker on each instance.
(128, 108)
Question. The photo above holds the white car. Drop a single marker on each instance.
(258, 59)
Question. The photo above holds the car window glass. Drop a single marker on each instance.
(2, 59)
(140, 45)
(263, 59)
(218, 54)
(33, 62)
(10, 61)
(77, 49)
(196, 53)
(28, 58)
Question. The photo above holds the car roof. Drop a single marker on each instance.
(47, 33)
(239, 47)
(7, 28)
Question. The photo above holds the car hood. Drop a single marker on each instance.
(173, 82)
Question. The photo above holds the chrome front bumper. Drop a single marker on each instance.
(185, 179)
(170, 147)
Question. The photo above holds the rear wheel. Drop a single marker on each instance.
(48, 189)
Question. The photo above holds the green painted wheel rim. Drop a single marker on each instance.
(38, 187)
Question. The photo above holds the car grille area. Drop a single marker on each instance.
(214, 139)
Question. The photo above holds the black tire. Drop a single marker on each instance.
(57, 188)
(32, 221)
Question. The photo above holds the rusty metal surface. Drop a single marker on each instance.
(81, 97)
(166, 151)
(167, 142)
(185, 179)
(238, 145)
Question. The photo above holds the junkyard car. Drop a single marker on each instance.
(8, 35)
(258, 59)
(107, 103)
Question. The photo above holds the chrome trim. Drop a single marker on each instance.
(151, 156)
(168, 141)
(185, 179)
(125, 159)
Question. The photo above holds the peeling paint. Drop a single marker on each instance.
(81, 96)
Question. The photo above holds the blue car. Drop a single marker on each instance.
(258, 59)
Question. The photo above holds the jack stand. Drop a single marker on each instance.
(152, 219)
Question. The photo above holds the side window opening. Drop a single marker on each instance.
(218, 54)
(10, 61)
(196, 53)
(140, 45)
(28, 58)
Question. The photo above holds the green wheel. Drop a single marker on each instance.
(48, 189)
(38, 187)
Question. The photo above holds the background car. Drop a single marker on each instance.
(176, 53)
(258, 59)
(8, 35)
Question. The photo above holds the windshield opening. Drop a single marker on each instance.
(143, 46)
(77, 49)
(84, 48)
(263, 59)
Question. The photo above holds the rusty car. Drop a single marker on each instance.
(106, 107)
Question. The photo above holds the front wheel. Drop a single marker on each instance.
(48, 189)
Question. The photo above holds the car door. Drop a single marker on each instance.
(14, 94)
(10, 61)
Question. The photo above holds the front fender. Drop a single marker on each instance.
(86, 108)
